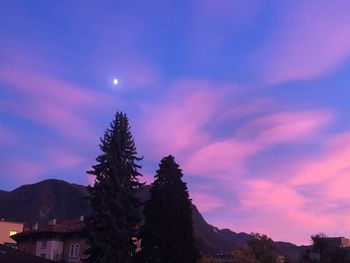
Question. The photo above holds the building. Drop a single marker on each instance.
(333, 247)
(10, 255)
(7, 230)
(63, 241)
(340, 242)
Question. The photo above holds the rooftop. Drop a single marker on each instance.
(65, 227)
(11, 255)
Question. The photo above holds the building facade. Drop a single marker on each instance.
(57, 242)
(340, 242)
(7, 230)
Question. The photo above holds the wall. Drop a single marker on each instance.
(83, 248)
(28, 246)
(52, 251)
(5, 228)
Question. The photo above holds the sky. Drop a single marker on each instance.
(250, 96)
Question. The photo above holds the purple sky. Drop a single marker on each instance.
(251, 96)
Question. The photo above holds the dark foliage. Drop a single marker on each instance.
(263, 248)
(259, 249)
(319, 245)
(114, 206)
(167, 236)
(325, 250)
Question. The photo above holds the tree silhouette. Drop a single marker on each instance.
(167, 235)
(262, 247)
(115, 208)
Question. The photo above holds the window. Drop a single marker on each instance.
(13, 232)
(43, 244)
(71, 251)
(43, 255)
(74, 250)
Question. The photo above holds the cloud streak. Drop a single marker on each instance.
(51, 101)
(312, 40)
(227, 160)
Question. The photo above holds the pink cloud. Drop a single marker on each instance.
(147, 176)
(177, 124)
(55, 116)
(334, 161)
(250, 108)
(206, 202)
(22, 171)
(91, 179)
(268, 195)
(308, 198)
(48, 160)
(7, 136)
(336, 188)
(229, 156)
(312, 40)
(291, 126)
(221, 158)
(272, 198)
(63, 159)
(284, 213)
(46, 86)
(51, 101)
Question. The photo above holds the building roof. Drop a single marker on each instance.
(63, 228)
(10, 255)
(3, 220)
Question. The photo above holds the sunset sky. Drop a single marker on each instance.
(252, 98)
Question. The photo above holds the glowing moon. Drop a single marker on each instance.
(115, 82)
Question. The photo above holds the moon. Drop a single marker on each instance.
(115, 82)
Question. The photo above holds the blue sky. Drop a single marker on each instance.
(251, 97)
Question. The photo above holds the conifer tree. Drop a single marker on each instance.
(167, 235)
(114, 206)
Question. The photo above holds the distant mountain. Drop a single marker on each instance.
(289, 249)
(208, 240)
(61, 200)
(44, 200)
(232, 238)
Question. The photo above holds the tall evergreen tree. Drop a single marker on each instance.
(114, 206)
(167, 235)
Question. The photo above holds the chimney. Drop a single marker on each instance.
(52, 222)
(82, 218)
(35, 226)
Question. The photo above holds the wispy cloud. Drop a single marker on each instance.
(206, 202)
(333, 163)
(312, 40)
(310, 195)
(51, 101)
(20, 171)
(177, 122)
(8, 136)
(229, 156)
(181, 128)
